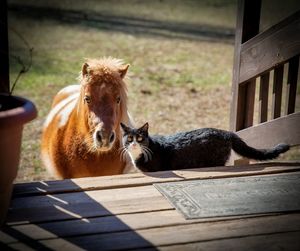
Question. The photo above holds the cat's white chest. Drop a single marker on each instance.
(135, 151)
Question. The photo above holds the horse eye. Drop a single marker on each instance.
(87, 99)
(118, 100)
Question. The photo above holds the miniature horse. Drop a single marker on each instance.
(81, 135)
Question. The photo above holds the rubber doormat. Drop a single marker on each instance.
(234, 196)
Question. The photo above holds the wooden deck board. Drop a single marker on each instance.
(286, 241)
(127, 212)
(137, 179)
(169, 235)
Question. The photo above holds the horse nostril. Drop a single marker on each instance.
(112, 137)
(98, 136)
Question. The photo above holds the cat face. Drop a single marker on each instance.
(136, 141)
(133, 136)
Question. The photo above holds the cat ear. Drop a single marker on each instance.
(145, 127)
(123, 70)
(124, 127)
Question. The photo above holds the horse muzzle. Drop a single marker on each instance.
(104, 140)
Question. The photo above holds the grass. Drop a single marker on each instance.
(180, 78)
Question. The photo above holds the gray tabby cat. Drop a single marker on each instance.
(204, 147)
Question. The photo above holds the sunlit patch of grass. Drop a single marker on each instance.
(175, 83)
(157, 65)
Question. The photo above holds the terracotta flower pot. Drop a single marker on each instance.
(14, 113)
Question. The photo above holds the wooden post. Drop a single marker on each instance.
(247, 26)
(4, 55)
(292, 85)
(242, 104)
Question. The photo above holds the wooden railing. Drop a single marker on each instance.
(260, 58)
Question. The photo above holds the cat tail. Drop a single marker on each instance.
(240, 147)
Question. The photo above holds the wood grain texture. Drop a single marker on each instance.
(270, 48)
(245, 105)
(102, 196)
(277, 92)
(281, 130)
(182, 234)
(263, 98)
(85, 210)
(292, 85)
(96, 203)
(123, 212)
(247, 26)
(277, 241)
(142, 179)
(112, 223)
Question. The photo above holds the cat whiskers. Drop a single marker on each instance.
(147, 153)
(123, 153)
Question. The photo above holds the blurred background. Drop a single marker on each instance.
(180, 52)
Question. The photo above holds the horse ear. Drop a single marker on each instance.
(145, 127)
(85, 69)
(123, 70)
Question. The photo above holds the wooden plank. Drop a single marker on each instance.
(247, 26)
(277, 92)
(263, 98)
(98, 225)
(95, 196)
(292, 85)
(192, 233)
(270, 48)
(249, 109)
(86, 210)
(245, 109)
(4, 55)
(109, 224)
(277, 241)
(285, 129)
(101, 196)
(86, 204)
(138, 179)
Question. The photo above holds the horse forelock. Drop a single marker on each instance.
(104, 72)
(106, 68)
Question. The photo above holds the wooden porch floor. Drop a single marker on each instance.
(126, 212)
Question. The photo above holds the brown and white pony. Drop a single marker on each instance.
(81, 135)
